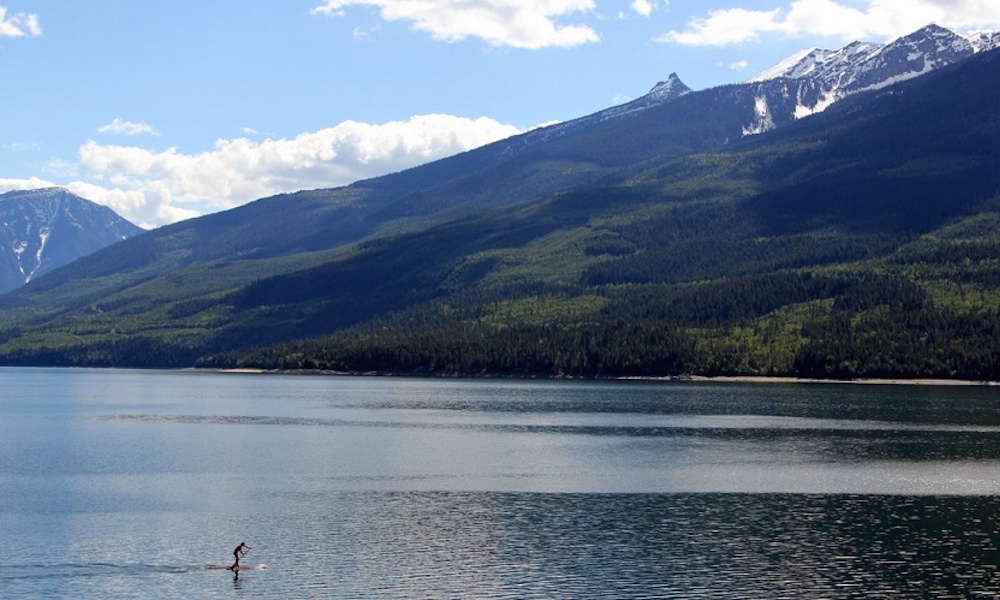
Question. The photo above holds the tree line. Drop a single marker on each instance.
(840, 326)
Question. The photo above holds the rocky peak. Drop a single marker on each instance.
(671, 88)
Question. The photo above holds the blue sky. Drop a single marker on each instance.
(169, 110)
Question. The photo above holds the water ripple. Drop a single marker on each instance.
(654, 546)
(834, 439)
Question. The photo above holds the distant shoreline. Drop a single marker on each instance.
(668, 378)
(873, 381)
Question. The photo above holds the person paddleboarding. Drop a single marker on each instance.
(237, 553)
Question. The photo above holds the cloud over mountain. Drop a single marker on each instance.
(151, 187)
(834, 18)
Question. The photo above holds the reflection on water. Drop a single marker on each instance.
(127, 484)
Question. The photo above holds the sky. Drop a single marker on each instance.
(170, 110)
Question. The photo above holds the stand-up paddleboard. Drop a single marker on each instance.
(247, 567)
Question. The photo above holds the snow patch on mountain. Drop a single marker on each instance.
(43, 240)
(799, 64)
(984, 41)
(803, 110)
(763, 121)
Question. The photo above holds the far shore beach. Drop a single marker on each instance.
(678, 378)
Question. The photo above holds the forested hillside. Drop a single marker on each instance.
(861, 242)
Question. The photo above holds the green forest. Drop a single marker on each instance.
(802, 324)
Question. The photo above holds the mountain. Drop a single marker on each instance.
(41, 230)
(652, 239)
(862, 66)
(860, 242)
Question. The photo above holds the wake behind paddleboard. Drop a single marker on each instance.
(239, 568)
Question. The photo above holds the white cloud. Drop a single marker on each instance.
(63, 169)
(154, 188)
(514, 23)
(869, 19)
(148, 205)
(18, 25)
(118, 126)
(738, 65)
(724, 27)
(643, 7)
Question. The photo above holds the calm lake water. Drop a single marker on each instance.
(127, 484)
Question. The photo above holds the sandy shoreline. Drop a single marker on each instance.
(763, 379)
(670, 378)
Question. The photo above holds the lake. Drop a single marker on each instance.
(128, 484)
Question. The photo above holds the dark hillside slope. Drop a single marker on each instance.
(914, 155)
(872, 172)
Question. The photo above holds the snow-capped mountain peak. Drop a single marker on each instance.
(864, 66)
